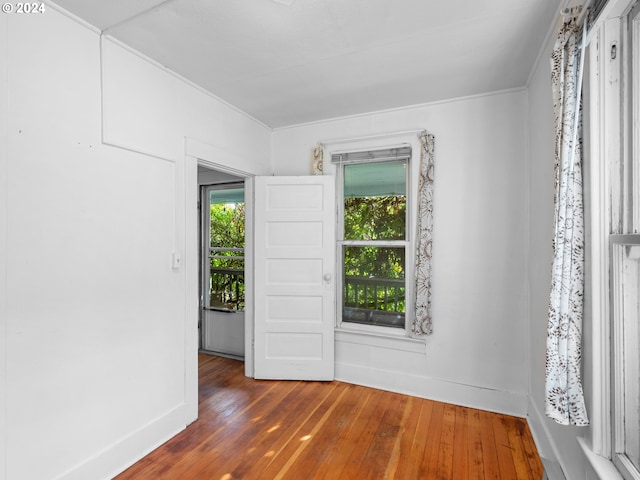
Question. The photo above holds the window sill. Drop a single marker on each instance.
(392, 340)
(602, 467)
(370, 328)
(222, 310)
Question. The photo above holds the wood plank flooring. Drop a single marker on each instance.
(251, 429)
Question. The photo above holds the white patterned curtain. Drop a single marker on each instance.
(317, 155)
(563, 385)
(422, 323)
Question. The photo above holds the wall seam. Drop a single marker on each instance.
(527, 266)
(405, 108)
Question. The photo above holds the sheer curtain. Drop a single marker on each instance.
(422, 323)
(564, 395)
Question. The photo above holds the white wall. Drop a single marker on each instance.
(150, 109)
(477, 354)
(100, 335)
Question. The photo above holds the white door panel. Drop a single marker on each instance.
(294, 289)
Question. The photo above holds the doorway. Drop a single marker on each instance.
(221, 260)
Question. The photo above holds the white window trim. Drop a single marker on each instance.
(602, 106)
(603, 467)
(605, 130)
(634, 115)
(376, 142)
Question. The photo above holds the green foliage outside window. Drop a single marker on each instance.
(227, 274)
(365, 218)
(375, 218)
(374, 275)
(227, 225)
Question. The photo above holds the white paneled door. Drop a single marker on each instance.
(294, 277)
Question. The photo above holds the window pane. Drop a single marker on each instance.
(374, 287)
(375, 201)
(226, 287)
(629, 286)
(226, 252)
(227, 218)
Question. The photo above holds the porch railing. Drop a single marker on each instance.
(375, 301)
(226, 287)
(386, 294)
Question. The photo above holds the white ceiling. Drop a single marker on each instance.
(318, 59)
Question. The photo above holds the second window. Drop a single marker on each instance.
(373, 238)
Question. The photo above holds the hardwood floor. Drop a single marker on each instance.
(251, 429)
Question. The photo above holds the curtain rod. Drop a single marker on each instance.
(418, 131)
(579, 11)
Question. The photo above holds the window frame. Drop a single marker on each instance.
(205, 247)
(606, 118)
(626, 200)
(620, 352)
(408, 243)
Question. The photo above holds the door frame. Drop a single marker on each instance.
(197, 153)
(248, 256)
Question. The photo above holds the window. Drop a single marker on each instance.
(373, 238)
(625, 264)
(223, 242)
(625, 261)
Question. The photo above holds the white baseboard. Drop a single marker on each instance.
(552, 470)
(507, 403)
(122, 454)
(541, 434)
(547, 448)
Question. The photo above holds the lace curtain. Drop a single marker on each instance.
(564, 395)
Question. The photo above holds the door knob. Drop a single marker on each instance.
(327, 277)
